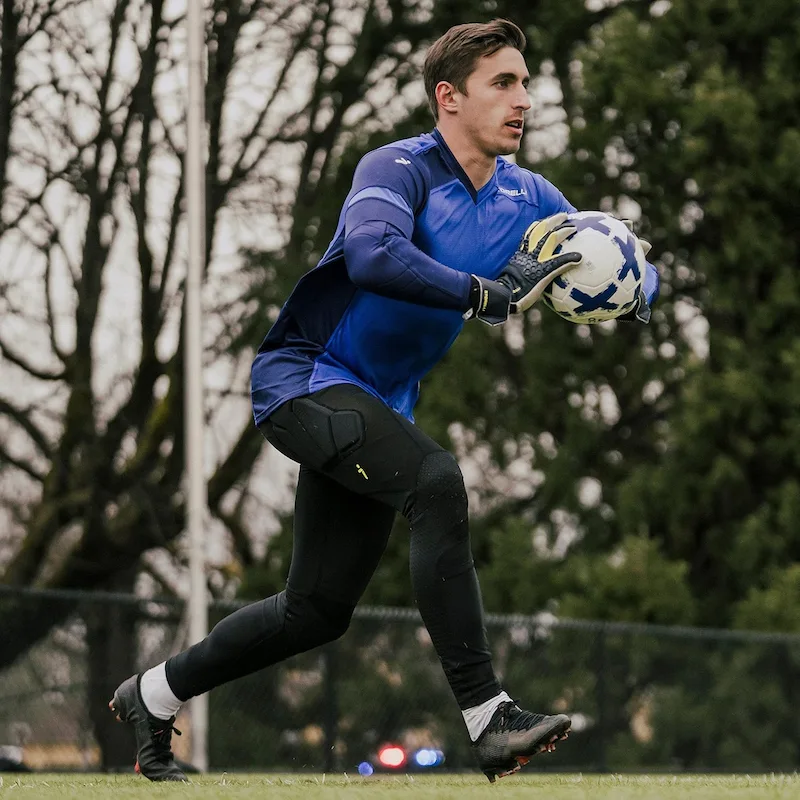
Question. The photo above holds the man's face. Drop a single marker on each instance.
(491, 111)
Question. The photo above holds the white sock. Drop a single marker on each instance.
(158, 698)
(477, 717)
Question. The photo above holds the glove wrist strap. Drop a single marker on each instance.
(489, 301)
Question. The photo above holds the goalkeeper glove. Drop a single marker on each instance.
(641, 311)
(534, 267)
(526, 276)
(646, 246)
(489, 301)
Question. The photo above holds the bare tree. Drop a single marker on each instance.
(92, 260)
(91, 174)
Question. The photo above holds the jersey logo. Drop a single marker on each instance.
(403, 161)
(511, 192)
(360, 469)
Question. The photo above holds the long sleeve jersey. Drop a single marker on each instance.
(385, 302)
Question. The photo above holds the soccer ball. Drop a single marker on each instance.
(605, 284)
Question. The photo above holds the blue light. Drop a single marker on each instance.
(427, 757)
(365, 769)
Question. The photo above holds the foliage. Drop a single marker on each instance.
(720, 105)
(635, 583)
(776, 607)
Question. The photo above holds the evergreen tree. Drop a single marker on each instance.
(688, 116)
(709, 111)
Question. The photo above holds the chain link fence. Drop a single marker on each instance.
(641, 697)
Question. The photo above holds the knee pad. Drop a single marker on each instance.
(314, 620)
(440, 483)
(438, 511)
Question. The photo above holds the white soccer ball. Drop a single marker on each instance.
(605, 284)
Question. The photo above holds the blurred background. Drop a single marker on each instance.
(635, 491)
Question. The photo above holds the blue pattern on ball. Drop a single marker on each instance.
(596, 302)
(590, 304)
(628, 248)
(597, 222)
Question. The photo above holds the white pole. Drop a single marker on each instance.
(196, 494)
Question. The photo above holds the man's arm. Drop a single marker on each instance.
(388, 187)
(388, 190)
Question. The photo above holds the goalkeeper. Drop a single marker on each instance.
(428, 236)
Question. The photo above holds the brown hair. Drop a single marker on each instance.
(453, 56)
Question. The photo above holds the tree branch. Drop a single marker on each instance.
(172, 238)
(8, 81)
(23, 419)
(51, 515)
(239, 462)
(20, 361)
(239, 534)
(239, 170)
(48, 299)
(52, 11)
(20, 463)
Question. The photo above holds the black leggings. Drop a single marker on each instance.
(360, 462)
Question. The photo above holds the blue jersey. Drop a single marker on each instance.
(385, 302)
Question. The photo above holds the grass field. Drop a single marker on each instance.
(440, 787)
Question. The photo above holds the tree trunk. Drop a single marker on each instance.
(111, 640)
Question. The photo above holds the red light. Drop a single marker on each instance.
(392, 756)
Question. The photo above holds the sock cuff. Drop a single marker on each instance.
(478, 717)
(156, 694)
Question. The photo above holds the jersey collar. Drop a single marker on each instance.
(458, 170)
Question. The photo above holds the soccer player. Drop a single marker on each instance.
(428, 237)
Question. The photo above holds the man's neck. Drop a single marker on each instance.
(478, 166)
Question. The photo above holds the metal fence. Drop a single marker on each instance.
(641, 697)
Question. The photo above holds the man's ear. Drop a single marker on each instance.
(446, 96)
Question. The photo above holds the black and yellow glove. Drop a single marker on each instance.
(534, 267)
(529, 272)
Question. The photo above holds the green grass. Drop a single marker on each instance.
(440, 787)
